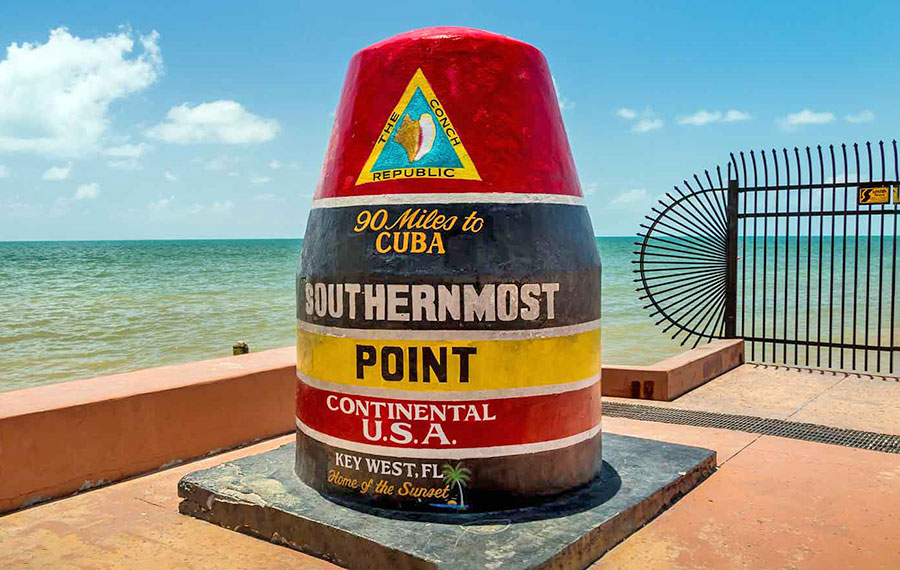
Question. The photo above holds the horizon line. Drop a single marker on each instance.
(196, 239)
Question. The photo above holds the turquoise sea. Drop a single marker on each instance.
(72, 310)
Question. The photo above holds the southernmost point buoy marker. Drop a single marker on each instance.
(448, 336)
(448, 296)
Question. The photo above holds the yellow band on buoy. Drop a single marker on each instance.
(449, 365)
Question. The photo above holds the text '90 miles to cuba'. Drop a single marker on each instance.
(416, 230)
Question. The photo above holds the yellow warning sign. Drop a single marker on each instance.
(418, 141)
(896, 194)
(874, 195)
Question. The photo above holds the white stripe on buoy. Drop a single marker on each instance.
(466, 453)
(451, 334)
(454, 198)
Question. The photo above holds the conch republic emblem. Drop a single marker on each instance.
(448, 291)
(418, 141)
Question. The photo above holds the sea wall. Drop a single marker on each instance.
(672, 377)
(60, 439)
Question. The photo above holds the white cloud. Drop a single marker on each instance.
(841, 177)
(630, 197)
(127, 164)
(269, 197)
(218, 163)
(646, 121)
(20, 209)
(161, 204)
(277, 165)
(216, 207)
(4, 171)
(700, 118)
(861, 117)
(805, 117)
(704, 117)
(225, 122)
(54, 96)
(259, 179)
(733, 115)
(57, 173)
(646, 125)
(169, 176)
(88, 191)
(127, 150)
(564, 103)
(168, 208)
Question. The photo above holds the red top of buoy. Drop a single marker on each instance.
(448, 110)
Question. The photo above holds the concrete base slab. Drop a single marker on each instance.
(260, 495)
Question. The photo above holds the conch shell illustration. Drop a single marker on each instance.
(416, 137)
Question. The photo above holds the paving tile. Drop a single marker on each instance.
(135, 525)
(752, 390)
(779, 503)
(725, 443)
(868, 404)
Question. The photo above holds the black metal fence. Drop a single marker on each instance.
(778, 249)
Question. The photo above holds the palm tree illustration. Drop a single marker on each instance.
(458, 476)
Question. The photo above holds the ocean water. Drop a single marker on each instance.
(72, 310)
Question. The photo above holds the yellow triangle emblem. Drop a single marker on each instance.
(418, 141)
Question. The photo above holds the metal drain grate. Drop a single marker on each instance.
(883, 442)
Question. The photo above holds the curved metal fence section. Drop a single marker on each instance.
(682, 262)
(795, 251)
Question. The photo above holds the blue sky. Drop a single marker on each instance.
(142, 120)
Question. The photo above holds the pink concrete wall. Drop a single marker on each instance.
(59, 439)
(672, 377)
